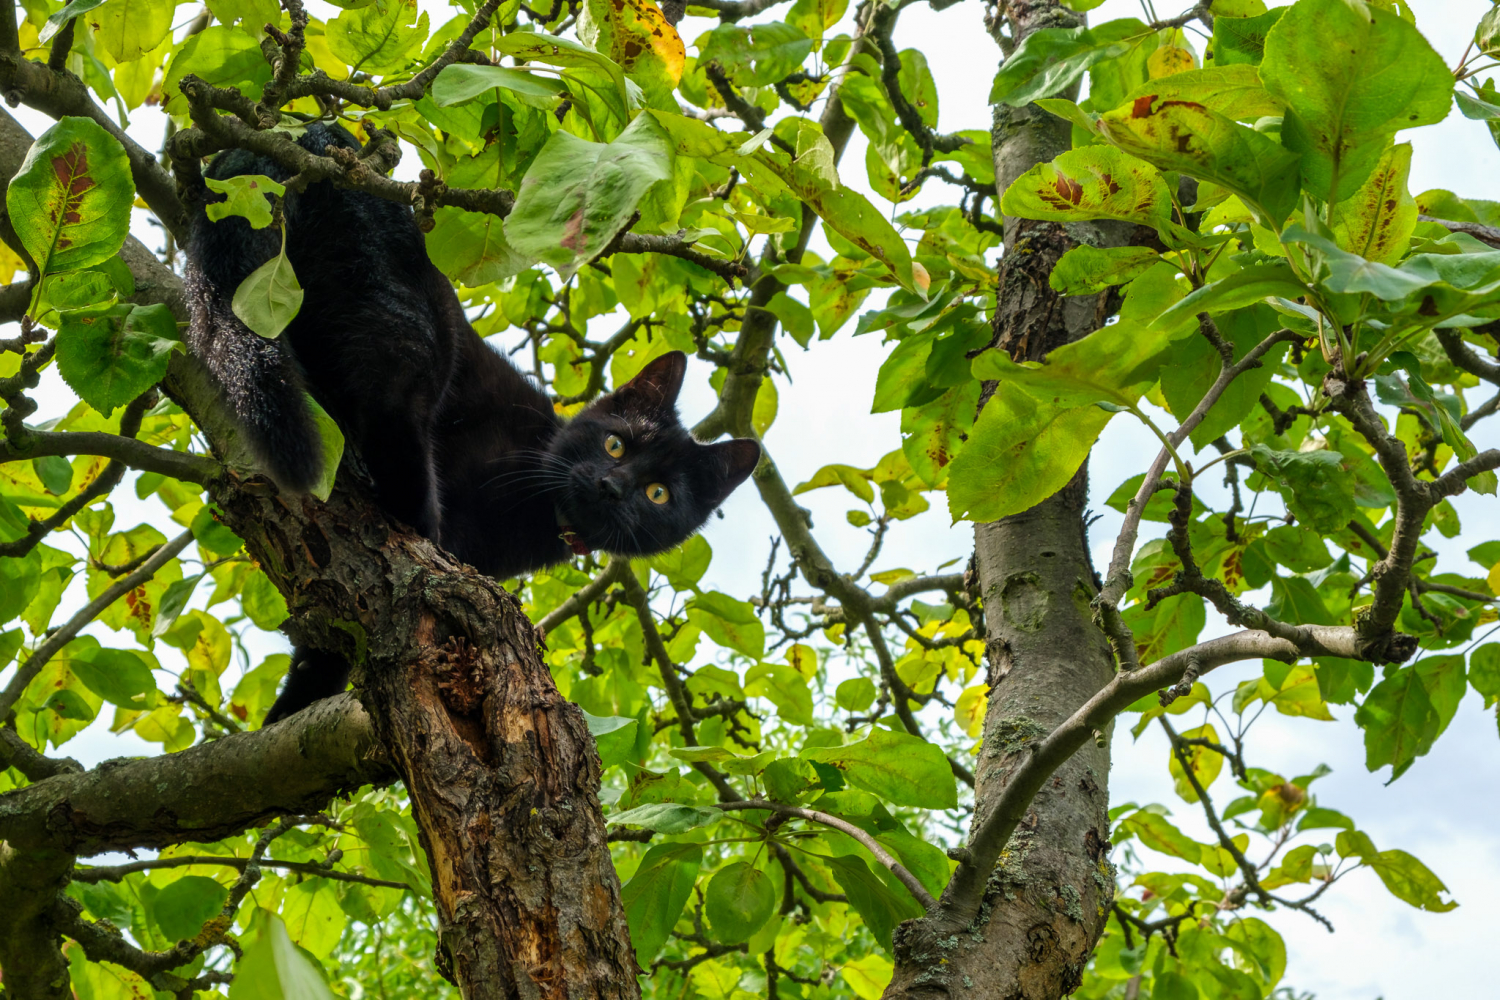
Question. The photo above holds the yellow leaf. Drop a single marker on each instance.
(969, 710)
(1494, 579)
(868, 976)
(804, 660)
(1168, 60)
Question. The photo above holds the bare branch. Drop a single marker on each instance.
(960, 902)
(913, 884)
(1483, 233)
(114, 873)
(636, 595)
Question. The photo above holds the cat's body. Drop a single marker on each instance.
(461, 445)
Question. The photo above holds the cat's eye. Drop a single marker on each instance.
(616, 448)
(657, 493)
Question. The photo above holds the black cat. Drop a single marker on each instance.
(461, 445)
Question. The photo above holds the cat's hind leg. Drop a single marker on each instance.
(314, 675)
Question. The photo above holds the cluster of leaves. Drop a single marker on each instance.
(1266, 167)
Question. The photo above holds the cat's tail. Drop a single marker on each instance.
(260, 378)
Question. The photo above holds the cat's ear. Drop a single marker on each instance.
(732, 461)
(656, 387)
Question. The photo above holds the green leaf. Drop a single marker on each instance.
(379, 38)
(248, 196)
(655, 895)
(1038, 427)
(462, 82)
(728, 622)
(1411, 881)
(119, 676)
(1234, 91)
(128, 29)
(790, 779)
(333, 448)
(784, 688)
(614, 738)
(1242, 40)
(1399, 721)
(597, 76)
(63, 15)
(471, 248)
(756, 55)
(856, 481)
(109, 355)
(1351, 75)
(1095, 182)
(578, 195)
(1158, 833)
(858, 694)
(1085, 270)
(270, 297)
(1313, 484)
(182, 907)
(222, 56)
(314, 919)
(1206, 763)
(55, 473)
(739, 899)
(1047, 62)
(1484, 672)
(667, 817)
(901, 769)
(1377, 221)
(274, 967)
(70, 202)
(1190, 138)
(880, 907)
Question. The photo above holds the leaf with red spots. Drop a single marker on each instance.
(1378, 221)
(1095, 182)
(70, 202)
(634, 34)
(1190, 137)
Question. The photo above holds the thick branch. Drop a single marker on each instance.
(203, 793)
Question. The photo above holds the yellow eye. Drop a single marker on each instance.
(657, 493)
(614, 446)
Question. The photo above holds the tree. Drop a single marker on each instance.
(852, 783)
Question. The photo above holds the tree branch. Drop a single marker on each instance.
(114, 873)
(203, 793)
(913, 884)
(682, 702)
(961, 899)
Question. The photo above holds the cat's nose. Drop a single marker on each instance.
(613, 486)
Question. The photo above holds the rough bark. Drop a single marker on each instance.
(501, 770)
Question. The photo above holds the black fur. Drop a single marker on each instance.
(461, 445)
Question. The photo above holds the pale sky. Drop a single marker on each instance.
(1444, 810)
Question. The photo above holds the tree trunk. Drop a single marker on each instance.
(502, 772)
(1046, 902)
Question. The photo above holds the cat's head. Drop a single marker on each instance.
(637, 482)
